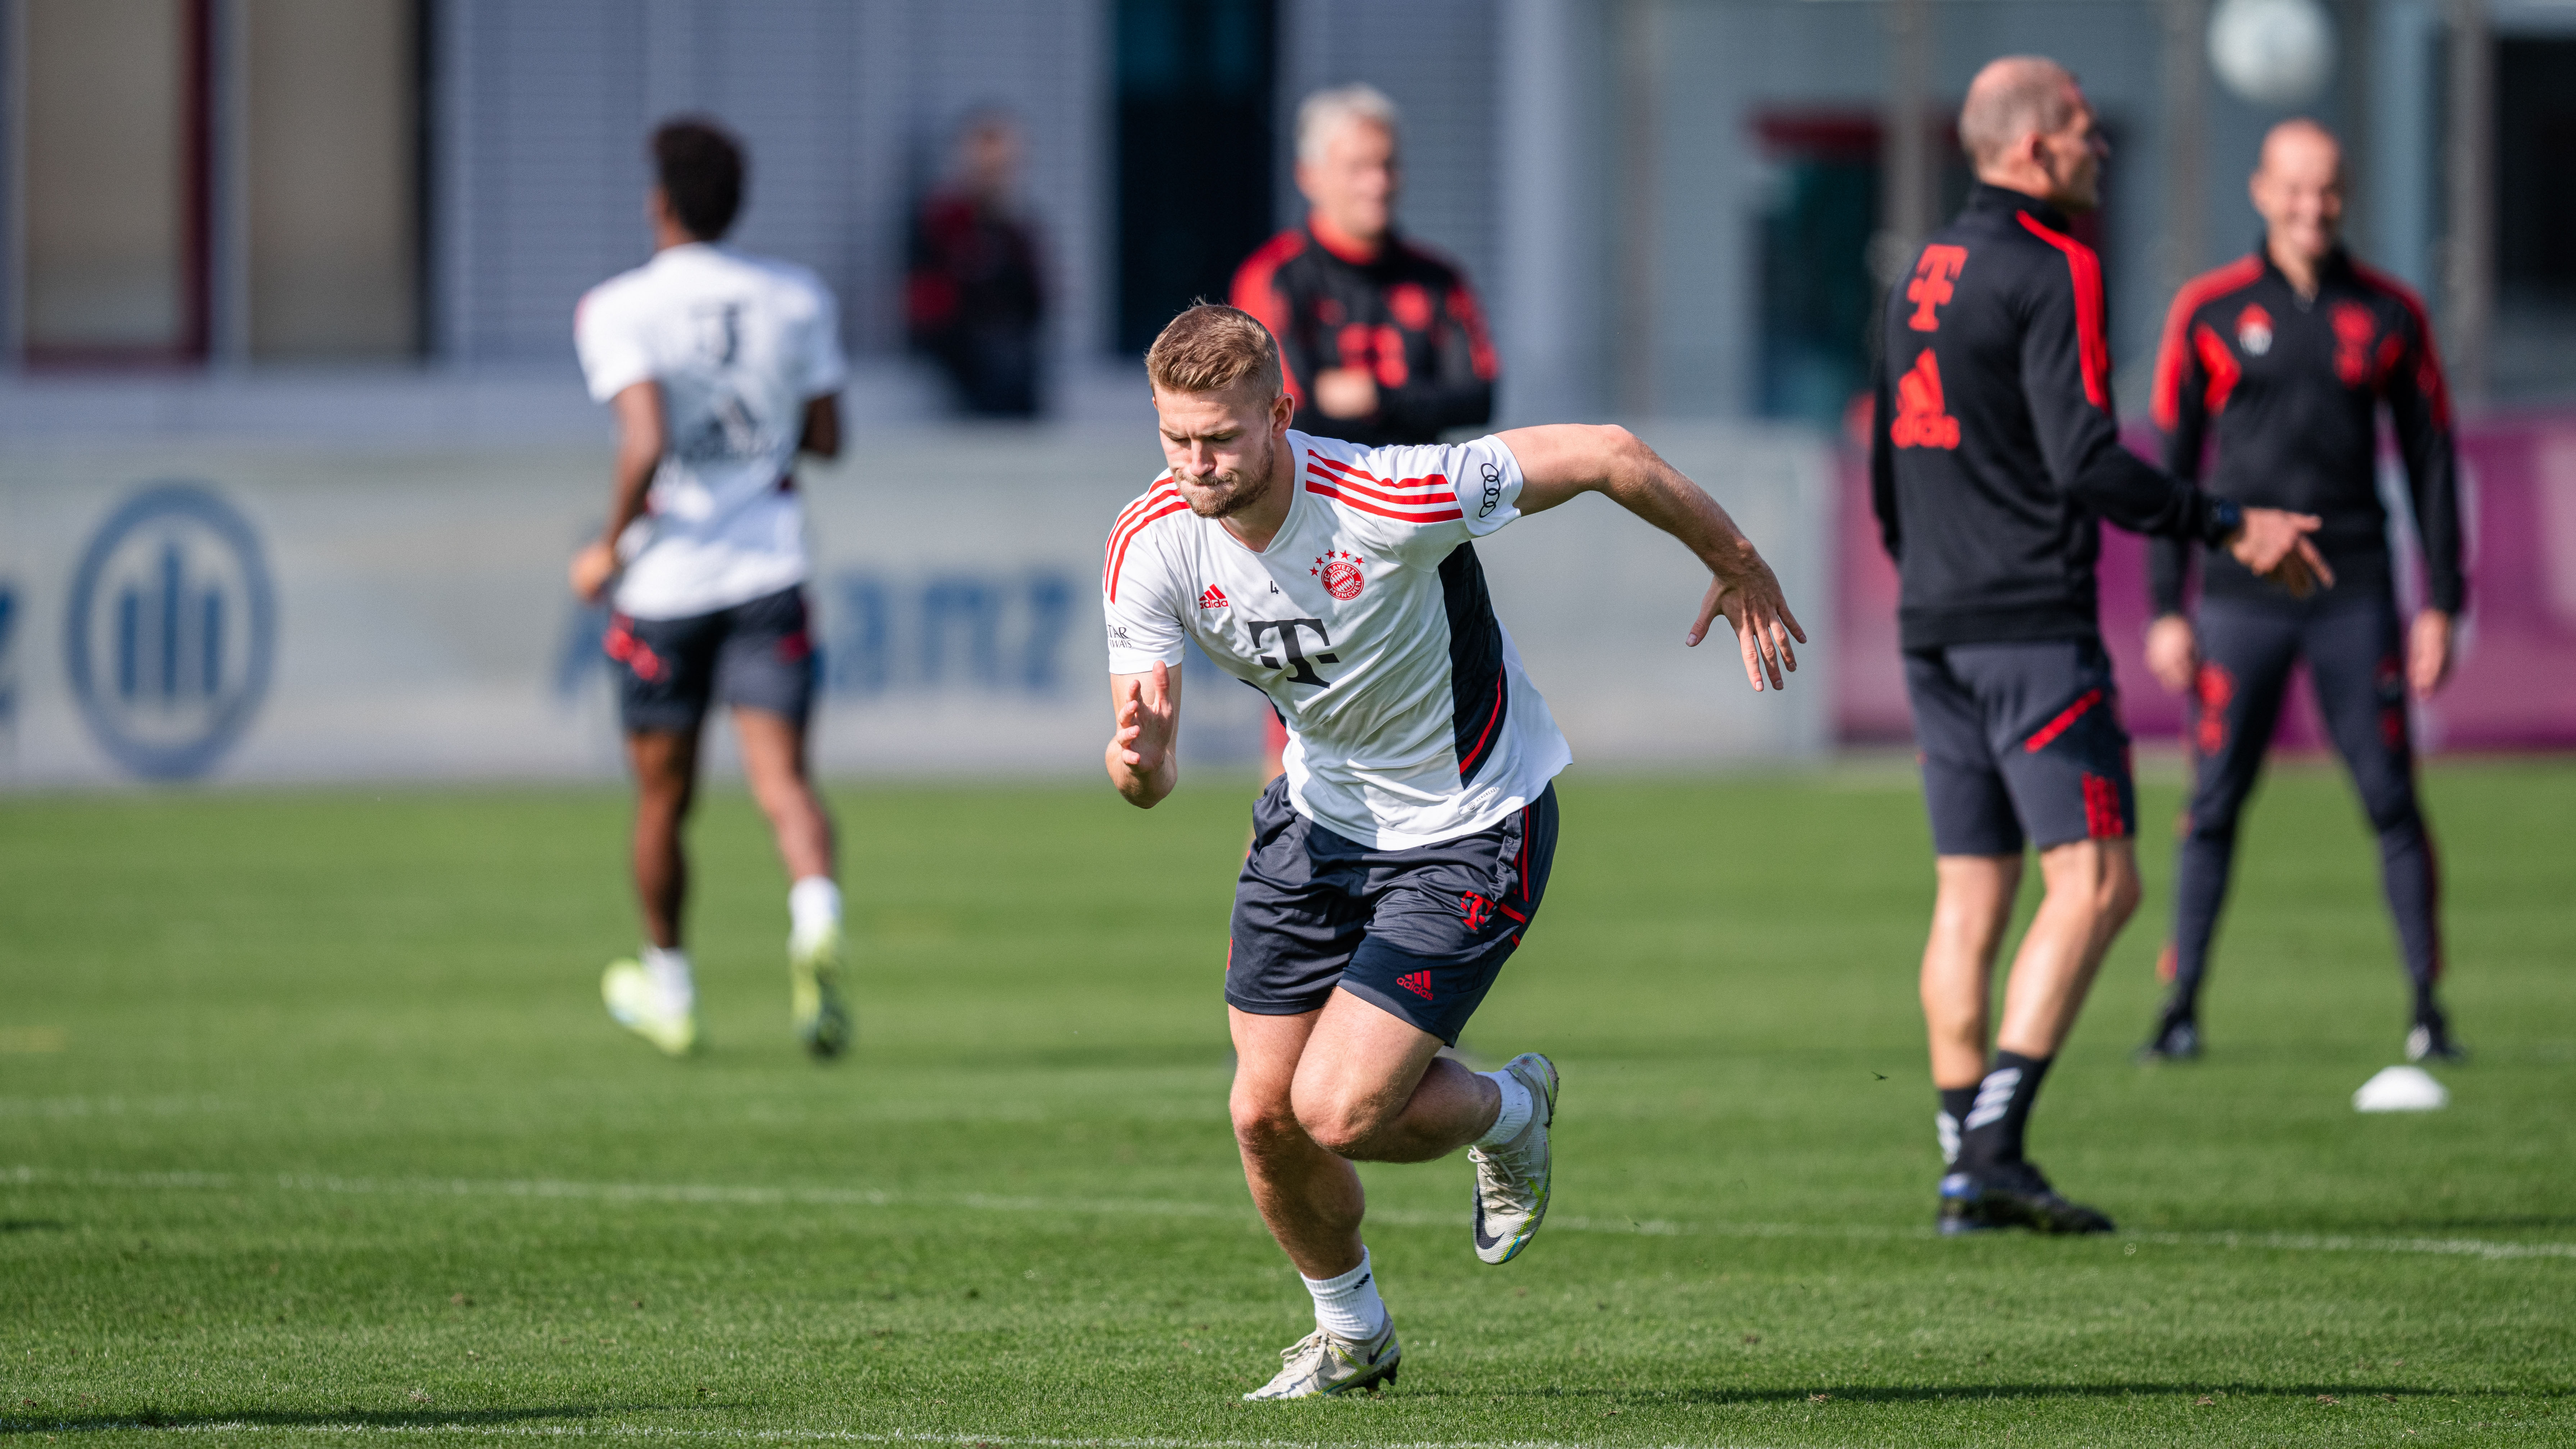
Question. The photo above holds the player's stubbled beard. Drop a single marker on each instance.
(1234, 491)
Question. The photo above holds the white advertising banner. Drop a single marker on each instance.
(276, 614)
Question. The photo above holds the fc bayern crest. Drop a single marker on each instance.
(2254, 331)
(1340, 573)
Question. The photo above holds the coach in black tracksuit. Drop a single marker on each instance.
(2282, 359)
(1382, 340)
(1995, 456)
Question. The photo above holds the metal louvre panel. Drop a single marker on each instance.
(846, 107)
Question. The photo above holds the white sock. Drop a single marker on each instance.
(1517, 1106)
(670, 971)
(813, 908)
(1348, 1306)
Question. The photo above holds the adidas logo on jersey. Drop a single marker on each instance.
(1214, 598)
(1419, 983)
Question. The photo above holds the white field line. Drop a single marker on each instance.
(787, 1436)
(745, 1196)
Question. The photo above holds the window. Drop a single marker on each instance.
(117, 159)
(1194, 143)
(114, 163)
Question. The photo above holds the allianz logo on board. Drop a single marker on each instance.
(171, 631)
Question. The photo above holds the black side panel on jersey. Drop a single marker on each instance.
(1478, 698)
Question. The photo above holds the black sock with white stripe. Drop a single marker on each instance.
(1990, 1135)
(1956, 1103)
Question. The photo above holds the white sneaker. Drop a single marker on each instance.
(1512, 1180)
(638, 1004)
(1321, 1365)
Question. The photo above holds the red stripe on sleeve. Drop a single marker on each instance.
(2092, 344)
(1435, 492)
(1118, 545)
(1338, 496)
(2173, 349)
(1256, 290)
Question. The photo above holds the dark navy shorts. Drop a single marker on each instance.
(1421, 933)
(2020, 741)
(755, 655)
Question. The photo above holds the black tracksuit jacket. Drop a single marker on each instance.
(1406, 316)
(2288, 389)
(1995, 452)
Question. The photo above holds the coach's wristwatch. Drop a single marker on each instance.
(2226, 516)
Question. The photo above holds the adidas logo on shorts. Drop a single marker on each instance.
(1419, 983)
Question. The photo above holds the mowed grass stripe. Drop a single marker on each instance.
(406, 1179)
(793, 1436)
(742, 1195)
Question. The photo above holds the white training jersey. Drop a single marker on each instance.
(1367, 624)
(739, 345)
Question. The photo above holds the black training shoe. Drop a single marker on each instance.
(2430, 1041)
(2013, 1195)
(2177, 1039)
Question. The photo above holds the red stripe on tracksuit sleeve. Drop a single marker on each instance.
(2092, 344)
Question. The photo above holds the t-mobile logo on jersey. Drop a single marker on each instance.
(1300, 670)
(1933, 275)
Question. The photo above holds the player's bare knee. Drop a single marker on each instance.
(1342, 1124)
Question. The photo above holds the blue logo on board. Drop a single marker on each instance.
(171, 631)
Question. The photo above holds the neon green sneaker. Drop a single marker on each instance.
(814, 995)
(638, 1005)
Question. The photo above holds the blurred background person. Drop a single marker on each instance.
(721, 367)
(1383, 340)
(2281, 360)
(975, 296)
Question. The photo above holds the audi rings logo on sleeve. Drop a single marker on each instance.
(1493, 491)
(171, 631)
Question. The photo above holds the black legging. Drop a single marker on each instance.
(2356, 666)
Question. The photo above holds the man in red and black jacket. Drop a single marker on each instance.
(1995, 456)
(1382, 339)
(2282, 360)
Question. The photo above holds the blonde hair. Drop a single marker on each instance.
(1326, 111)
(1211, 348)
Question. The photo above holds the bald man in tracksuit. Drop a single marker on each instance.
(1995, 456)
(2278, 364)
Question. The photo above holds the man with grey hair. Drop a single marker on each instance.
(1383, 340)
(1994, 459)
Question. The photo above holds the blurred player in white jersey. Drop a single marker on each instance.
(721, 367)
(1398, 861)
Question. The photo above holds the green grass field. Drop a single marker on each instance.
(311, 1128)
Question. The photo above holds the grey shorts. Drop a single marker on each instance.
(2020, 741)
(758, 655)
(1421, 933)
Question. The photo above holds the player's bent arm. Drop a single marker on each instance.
(642, 435)
(1143, 755)
(1562, 460)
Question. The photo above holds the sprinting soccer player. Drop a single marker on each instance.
(1382, 339)
(1994, 457)
(2283, 358)
(721, 367)
(1396, 864)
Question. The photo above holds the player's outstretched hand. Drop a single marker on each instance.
(1140, 753)
(2274, 543)
(1744, 589)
